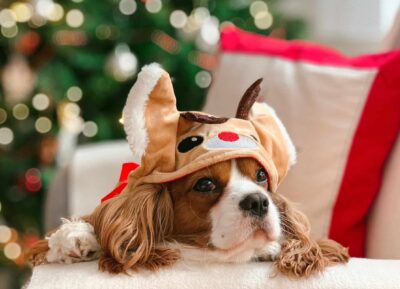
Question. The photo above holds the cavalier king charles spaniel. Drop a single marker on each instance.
(205, 192)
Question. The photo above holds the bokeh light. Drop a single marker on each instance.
(74, 93)
(7, 18)
(263, 20)
(40, 101)
(90, 129)
(33, 180)
(72, 109)
(123, 63)
(258, 7)
(203, 79)
(22, 11)
(20, 111)
(56, 13)
(75, 18)
(153, 6)
(127, 7)
(210, 31)
(178, 19)
(3, 116)
(5, 234)
(12, 250)
(43, 124)
(6, 136)
(9, 32)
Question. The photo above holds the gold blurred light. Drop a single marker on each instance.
(200, 14)
(20, 111)
(90, 129)
(7, 18)
(9, 32)
(74, 93)
(122, 64)
(153, 6)
(75, 18)
(5, 234)
(44, 7)
(6, 136)
(23, 11)
(56, 13)
(178, 19)
(209, 31)
(127, 7)
(40, 101)
(37, 21)
(263, 20)
(3, 116)
(72, 109)
(12, 250)
(43, 124)
(258, 7)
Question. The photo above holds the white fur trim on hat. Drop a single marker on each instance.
(134, 111)
(290, 146)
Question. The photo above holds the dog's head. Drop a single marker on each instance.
(172, 144)
(225, 213)
(206, 187)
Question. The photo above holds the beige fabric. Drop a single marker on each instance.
(392, 39)
(357, 274)
(383, 240)
(93, 173)
(320, 107)
(260, 137)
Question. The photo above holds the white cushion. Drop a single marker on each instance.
(383, 240)
(342, 114)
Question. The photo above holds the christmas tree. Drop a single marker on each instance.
(66, 68)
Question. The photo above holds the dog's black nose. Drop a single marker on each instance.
(256, 204)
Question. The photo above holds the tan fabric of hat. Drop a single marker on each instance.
(173, 144)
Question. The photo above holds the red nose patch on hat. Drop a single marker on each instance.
(228, 136)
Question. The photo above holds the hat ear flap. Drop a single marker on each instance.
(273, 136)
(151, 119)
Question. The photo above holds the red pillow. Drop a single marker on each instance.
(342, 113)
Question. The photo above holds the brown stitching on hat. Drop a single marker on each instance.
(203, 118)
(248, 99)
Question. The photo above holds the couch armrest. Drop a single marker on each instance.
(383, 240)
(359, 273)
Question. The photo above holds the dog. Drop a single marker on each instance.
(205, 191)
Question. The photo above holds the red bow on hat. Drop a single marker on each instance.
(123, 180)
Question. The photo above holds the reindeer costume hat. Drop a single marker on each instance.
(173, 144)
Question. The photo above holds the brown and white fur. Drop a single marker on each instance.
(156, 225)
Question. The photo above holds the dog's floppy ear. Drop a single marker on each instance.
(131, 227)
(151, 118)
(300, 255)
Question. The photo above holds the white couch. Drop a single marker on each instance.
(93, 172)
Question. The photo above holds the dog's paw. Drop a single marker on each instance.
(73, 242)
(269, 252)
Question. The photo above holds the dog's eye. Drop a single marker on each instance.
(205, 185)
(261, 176)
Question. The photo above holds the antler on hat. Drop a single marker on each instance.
(248, 99)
